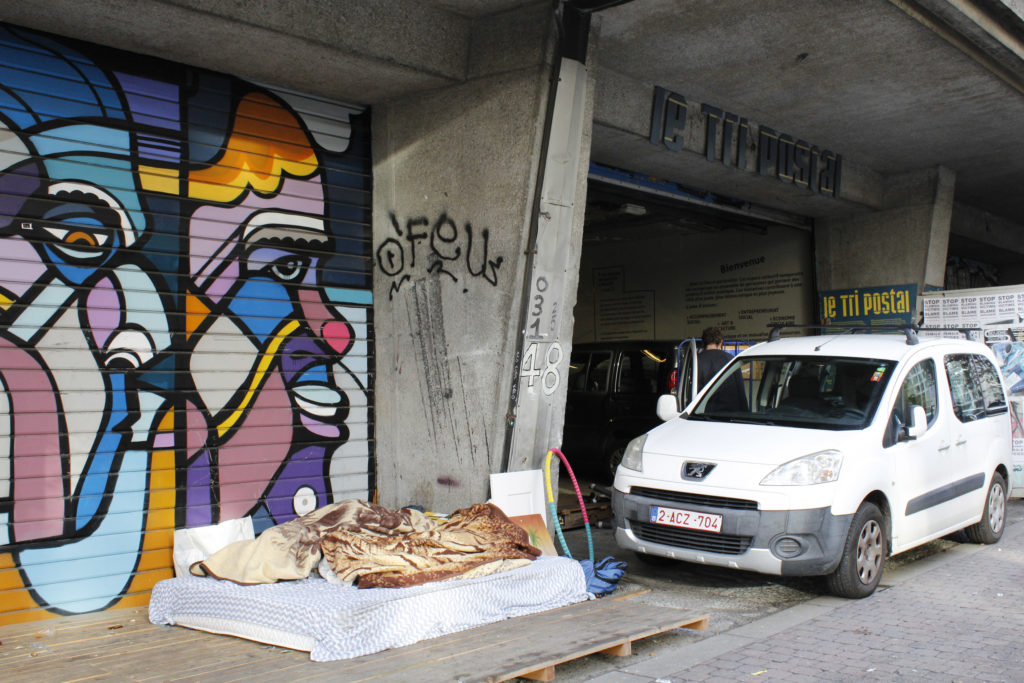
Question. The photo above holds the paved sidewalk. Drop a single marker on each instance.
(956, 616)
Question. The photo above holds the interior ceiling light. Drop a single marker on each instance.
(633, 209)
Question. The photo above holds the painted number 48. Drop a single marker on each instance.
(548, 374)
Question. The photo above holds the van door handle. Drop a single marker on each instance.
(943, 446)
(960, 441)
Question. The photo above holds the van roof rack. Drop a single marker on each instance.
(909, 331)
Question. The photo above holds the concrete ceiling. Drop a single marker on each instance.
(865, 78)
(893, 85)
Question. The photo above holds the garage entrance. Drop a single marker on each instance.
(662, 261)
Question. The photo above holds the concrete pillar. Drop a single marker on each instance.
(455, 183)
(903, 242)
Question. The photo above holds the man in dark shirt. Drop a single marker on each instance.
(710, 360)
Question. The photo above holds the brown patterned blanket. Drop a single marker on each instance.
(373, 546)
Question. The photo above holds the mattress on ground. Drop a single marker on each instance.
(339, 622)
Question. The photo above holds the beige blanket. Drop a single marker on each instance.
(373, 546)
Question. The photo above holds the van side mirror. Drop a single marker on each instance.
(918, 424)
(667, 408)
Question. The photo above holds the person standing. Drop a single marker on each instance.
(729, 396)
(712, 357)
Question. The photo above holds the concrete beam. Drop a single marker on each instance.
(904, 242)
(454, 180)
(360, 51)
(987, 31)
(622, 123)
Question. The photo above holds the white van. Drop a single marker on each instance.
(823, 456)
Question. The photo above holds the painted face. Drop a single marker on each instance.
(273, 342)
(75, 309)
(81, 317)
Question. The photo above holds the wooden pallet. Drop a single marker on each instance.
(572, 518)
(526, 647)
(123, 645)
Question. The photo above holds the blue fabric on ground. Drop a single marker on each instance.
(603, 576)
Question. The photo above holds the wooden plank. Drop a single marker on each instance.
(523, 645)
(496, 629)
(641, 622)
(401, 659)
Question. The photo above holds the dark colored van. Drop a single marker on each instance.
(612, 397)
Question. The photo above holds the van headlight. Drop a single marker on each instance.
(633, 458)
(816, 468)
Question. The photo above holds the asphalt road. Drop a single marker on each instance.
(730, 598)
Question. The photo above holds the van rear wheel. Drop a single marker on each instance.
(993, 515)
(860, 568)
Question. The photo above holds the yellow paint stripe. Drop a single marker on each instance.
(159, 179)
(257, 379)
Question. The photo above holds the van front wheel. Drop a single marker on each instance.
(860, 568)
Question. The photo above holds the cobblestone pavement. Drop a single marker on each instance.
(954, 616)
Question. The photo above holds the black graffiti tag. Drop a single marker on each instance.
(439, 245)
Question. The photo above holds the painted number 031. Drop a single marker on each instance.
(537, 306)
(548, 374)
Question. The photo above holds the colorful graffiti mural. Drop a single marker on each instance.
(185, 315)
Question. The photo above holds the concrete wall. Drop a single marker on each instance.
(454, 181)
(904, 242)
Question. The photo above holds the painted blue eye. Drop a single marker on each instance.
(81, 222)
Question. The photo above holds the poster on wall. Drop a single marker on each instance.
(673, 286)
(993, 315)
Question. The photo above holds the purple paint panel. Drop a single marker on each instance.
(163, 441)
(20, 265)
(153, 148)
(327, 431)
(298, 353)
(104, 309)
(198, 499)
(16, 185)
(151, 102)
(305, 468)
(224, 282)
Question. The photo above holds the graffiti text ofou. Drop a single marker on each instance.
(441, 246)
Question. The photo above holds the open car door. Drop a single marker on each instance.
(686, 355)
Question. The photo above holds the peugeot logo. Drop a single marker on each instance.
(697, 470)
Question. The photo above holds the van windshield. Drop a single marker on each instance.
(797, 391)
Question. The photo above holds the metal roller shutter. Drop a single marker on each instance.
(185, 314)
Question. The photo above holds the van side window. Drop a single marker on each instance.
(588, 371)
(919, 389)
(597, 376)
(638, 373)
(577, 380)
(975, 387)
